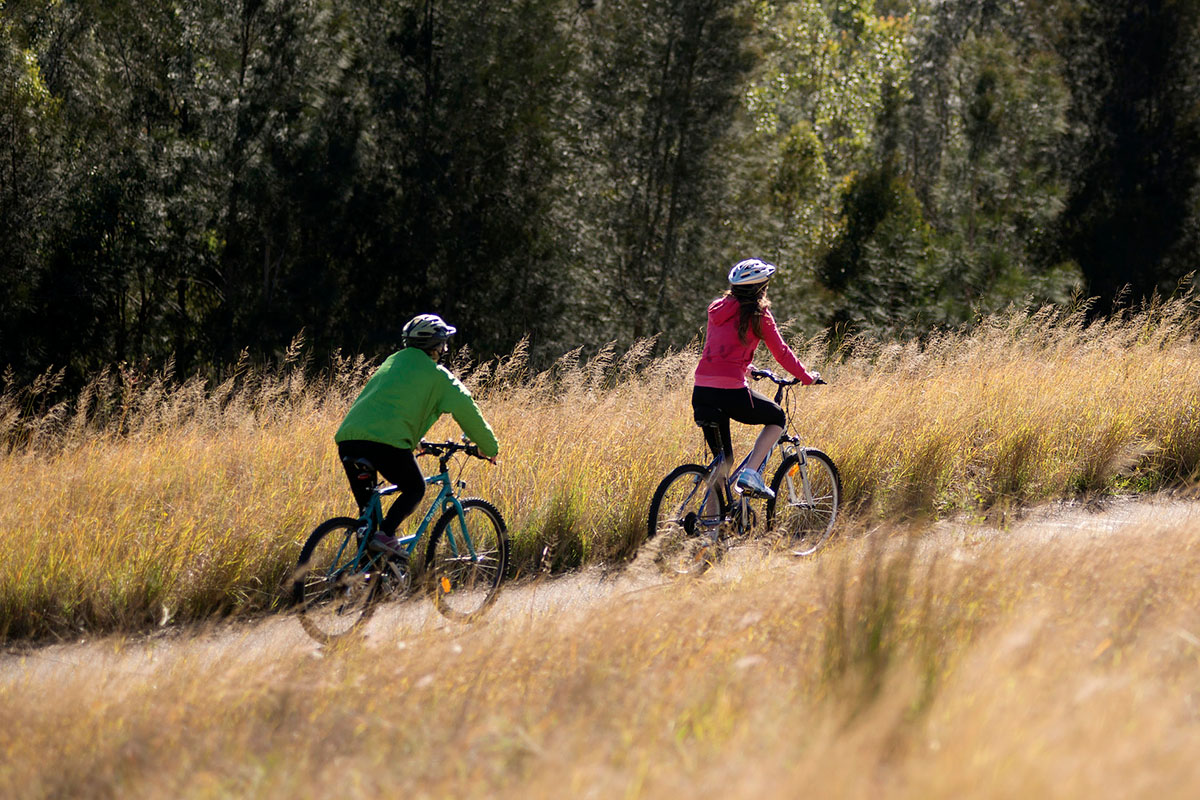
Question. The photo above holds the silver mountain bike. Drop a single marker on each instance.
(696, 516)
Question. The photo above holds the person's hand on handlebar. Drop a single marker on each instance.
(758, 374)
(472, 449)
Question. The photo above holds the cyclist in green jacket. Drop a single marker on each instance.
(397, 407)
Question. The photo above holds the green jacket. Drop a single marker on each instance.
(405, 396)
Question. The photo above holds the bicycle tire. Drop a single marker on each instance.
(462, 586)
(332, 594)
(688, 542)
(805, 526)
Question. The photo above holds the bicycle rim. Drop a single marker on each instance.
(467, 560)
(806, 502)
(685, 528)
(334, 594)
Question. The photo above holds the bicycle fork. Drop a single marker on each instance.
(801, 468)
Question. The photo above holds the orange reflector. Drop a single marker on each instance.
(445, 585)
(795, 468)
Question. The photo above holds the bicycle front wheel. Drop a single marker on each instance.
(684, 516)
(333, 593)
(467, 560)
(805, 505)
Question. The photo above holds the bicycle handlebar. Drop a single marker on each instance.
(447, 449)
(758, 374)
(782, 383)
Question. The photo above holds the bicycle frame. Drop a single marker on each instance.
(444, 501)
(372, 518)
(732, 497)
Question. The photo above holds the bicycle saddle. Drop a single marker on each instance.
(364, 468)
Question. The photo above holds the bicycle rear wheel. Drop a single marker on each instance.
(806, 501)
(332, 591)
(467, 560)
(687, 530)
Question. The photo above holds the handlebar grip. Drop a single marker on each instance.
(429, 448)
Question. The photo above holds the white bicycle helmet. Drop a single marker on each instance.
(426, 331)
(751, 272)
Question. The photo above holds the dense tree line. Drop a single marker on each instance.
(194, 179)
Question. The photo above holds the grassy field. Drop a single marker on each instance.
(902, 664)
(149, 498)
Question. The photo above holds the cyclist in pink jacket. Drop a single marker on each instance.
(737, 322)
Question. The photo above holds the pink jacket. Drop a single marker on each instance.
(725, 359)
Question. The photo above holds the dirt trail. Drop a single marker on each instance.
(521, 604)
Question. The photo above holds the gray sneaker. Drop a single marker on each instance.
(382, 543)
(751, 481)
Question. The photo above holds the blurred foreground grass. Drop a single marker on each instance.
(898, 665)
(149, 498)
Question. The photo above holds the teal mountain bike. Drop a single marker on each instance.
(339, 580)
(696, 516)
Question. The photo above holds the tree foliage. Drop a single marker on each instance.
(1132, 211)
(189, 180)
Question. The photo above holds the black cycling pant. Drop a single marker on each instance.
(713, 408)
(396, 465)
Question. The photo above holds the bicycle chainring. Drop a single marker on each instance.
(396, 577)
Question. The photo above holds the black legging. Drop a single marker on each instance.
(713, 408)
(396, 465)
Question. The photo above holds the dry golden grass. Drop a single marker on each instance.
(1020, 409)
(901, 664)
(147, 499)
